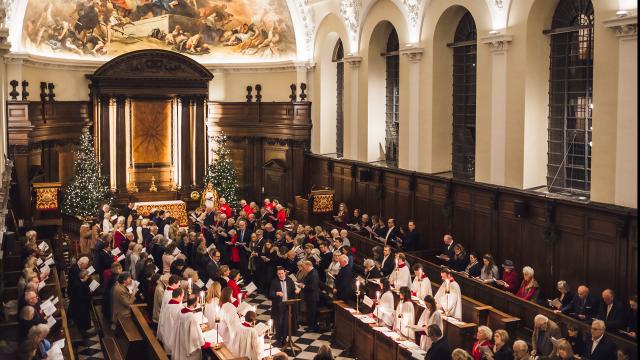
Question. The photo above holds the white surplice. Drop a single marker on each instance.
(421, 287)
(425, 320)
(385, 308)
(167, 325)
(189, 338)
(245, 342)
(451, 303)
(211, 310)
(166, 296)
(404, 308)
(228, 321)
(400, 277)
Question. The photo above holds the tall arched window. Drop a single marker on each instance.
(570, 97)
(392, 104)
(339, 59)
(463, 159)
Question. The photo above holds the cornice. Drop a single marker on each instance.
(497, 42)
(414, 54)
(623, 26)
(90, 66)
(354, 61)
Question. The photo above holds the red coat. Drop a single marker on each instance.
(269, 207)
(511, 278)
(118, 239)
(282, 218)
(235, 252)
(247, 210)
(235, 291)
(475, 350)
(225, 209)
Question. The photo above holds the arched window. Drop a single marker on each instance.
(570, 97)
(339, 59)
(463, 159)
(392, 103)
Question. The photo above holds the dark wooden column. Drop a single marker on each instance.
(200, 140)
(185, 144)
(121, 144)
(105, 147)
(18, 131)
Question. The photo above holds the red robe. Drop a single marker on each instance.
(225, 209)
(235, 291)
(282, 218)
(235, 252)
(269, 207)
(247, 210)
(118, 239)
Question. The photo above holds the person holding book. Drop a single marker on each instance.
(509, 281)
(404, 316)
(430, 316)
(483, 340)
(421, 285)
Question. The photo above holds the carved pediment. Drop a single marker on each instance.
(275, 164)
(153, 64)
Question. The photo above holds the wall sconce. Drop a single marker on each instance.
(494, 32)
(622, 13)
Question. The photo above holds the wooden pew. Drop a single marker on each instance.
(153, 349)
(344, 324)
(130, 341)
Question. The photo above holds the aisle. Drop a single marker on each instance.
(308, 342)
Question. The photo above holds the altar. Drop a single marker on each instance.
(178, 209)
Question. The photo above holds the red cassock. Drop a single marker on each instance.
(118, 239)
(269, 207)
(282, 218)
(247, 210)
(235, 252)
(225, 209)
(235, 291)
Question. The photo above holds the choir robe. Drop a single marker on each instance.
(384, 310)
(211, 310)
(188, 337)
(246, 342)
(421, 287)
(425, 320)
(404, 308)
(228, 321)
(167, 324)
(400, 277)
(451, 303)
(167, 295)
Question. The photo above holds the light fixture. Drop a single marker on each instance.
(622, 13)
(590, 143)
(494, 32)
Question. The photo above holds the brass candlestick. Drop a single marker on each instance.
(153, 187)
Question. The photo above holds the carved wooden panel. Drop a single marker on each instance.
(151, 131)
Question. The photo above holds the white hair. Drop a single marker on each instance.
(520, 345)
(83, 260)
(369, 263)
(527, 270)
(486, 331)
(600, 324)
(540, 319)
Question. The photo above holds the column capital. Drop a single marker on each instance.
(623, 26)
(354, 61)
(497, 42)
(414, 54)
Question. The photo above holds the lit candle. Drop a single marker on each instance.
(357, 285)
(239, 298)
(202, 302)
(189, 286)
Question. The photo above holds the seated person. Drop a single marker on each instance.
(474, 267)
(529, 287)
(611, 311)
(584, 306)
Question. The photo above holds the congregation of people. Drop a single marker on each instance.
(195, 279)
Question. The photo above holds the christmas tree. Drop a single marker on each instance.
(87, 188)
(222, 174)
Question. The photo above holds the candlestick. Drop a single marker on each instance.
(357, 296)
(378, 307)
(203, 304)
(189, 290)
(217, 345)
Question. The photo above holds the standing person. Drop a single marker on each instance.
(543, 330)
(401, 276)
(189, 341)
(483, 338)
(387, 265)
(501, 349)
(599, 347)
(227, 315)
(404, 314)
(440, 349)
(384, 306)
(109, 284)
(168, 322)
(509, 278)
(421, 285)
(344, 281)
(282, 289)
(80, 304)
(430, 316)
(311, 294)
(122, 298)
(411, 240)
(449, 298)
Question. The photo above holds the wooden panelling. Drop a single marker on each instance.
(561, 239)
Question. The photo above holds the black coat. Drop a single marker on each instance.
(80, 304)
(448, 250)
(616, 319)
(439, 350)
(605, 350)
(474, 270)
(311, 290)
(589, 307)
(325, 261)
(504, 353)
(386, 267)
(25, 325)
(411, 241)
(344, 284)
(391, 239)
(374, 273)
(103, 262)
(211, 269)
(277, 308)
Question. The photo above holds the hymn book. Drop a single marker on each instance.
(94, 285)
(243, 308)
(261, 328)
(367, 301)
(555, 303)
(251, 287)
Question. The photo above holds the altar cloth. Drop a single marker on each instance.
(178, 209)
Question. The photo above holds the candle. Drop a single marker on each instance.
(239, 298)
(189, 286)
(270, 323)
(202, 302)
(357, 285)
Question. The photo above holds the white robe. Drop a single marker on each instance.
(422, 287)
(408, 318)
(188, 338)
(425, 320)
(167, 324)
(211, 310)
(400, 277)
(166, 296)
(451, 303)
(384, 310)
(228, 321)
(246, 342)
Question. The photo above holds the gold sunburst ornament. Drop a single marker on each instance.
(195, 195)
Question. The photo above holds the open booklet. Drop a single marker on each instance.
(243, 308)
(261, 328)
(555, 303)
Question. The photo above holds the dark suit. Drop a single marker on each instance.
(605, 350)
(448, 250)
(390, 235)
(311, 296)
(616, 319)
(103, 262)
(344, 284)
(587, 307)
(211, 269)
(279, 310)
(411, 241)
(439, 350)
(325, 261)
(374, 273)
(386, 267)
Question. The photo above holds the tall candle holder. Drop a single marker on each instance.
(357, 296)
(153, 187)
(217, 345)
(378, 308)
(269, 338)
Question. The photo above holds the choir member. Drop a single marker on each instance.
(449, 298)
(168, 321)
(189, 340)
(384, 307)
(247, 342)
(401, 276)
(228, 316)
(430, 316)
(404, 314)
(173, 282)
(421, 285)
(212, 303)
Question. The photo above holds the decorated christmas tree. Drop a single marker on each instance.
(222, 174)
(87, 188)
